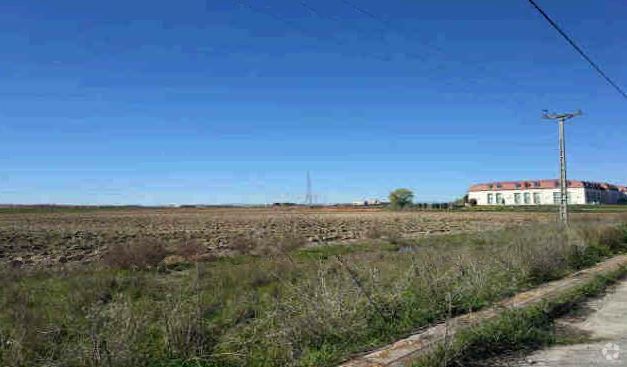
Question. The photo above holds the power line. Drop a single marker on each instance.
(291, 24)
(578, 49)
(295, 26)
(367, 13)
(281, 19)
(385, 25)
(395, 28)
(311, 9)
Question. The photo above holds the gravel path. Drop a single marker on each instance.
(606, 324)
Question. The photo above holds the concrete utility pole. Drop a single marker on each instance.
(561, 118)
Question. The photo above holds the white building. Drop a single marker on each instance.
(545, 192)
(367, 202)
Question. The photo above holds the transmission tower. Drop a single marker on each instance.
(309, 194)
(561, 118)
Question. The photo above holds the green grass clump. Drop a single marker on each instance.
(514, 330)
(288, 306)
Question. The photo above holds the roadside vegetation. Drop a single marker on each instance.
(277, 301)
(516, 332)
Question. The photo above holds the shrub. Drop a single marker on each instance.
(242, 243)
(280, 243)
(600, 240)
(134, 255)
(615, 238)
(288, 241)
(190, 250)
(391, 234)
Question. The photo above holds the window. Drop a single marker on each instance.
(527, 198)
(490, 199)
(593, 197)
(517, 198)
(499, 199)
(536, 198)
(556, 198)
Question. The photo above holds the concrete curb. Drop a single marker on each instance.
(405, 351)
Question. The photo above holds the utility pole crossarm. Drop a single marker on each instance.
(560, 116)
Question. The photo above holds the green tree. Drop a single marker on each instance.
(401, 198)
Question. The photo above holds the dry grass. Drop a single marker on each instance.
(278, 302)
(134, 255)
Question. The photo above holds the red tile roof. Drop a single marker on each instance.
(542, 184)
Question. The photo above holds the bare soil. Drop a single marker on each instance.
(41, 238)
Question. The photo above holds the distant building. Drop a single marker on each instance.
(545, 192)
(367, 202)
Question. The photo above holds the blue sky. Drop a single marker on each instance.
(157, 102)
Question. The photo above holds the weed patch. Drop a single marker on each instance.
(282, 306)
